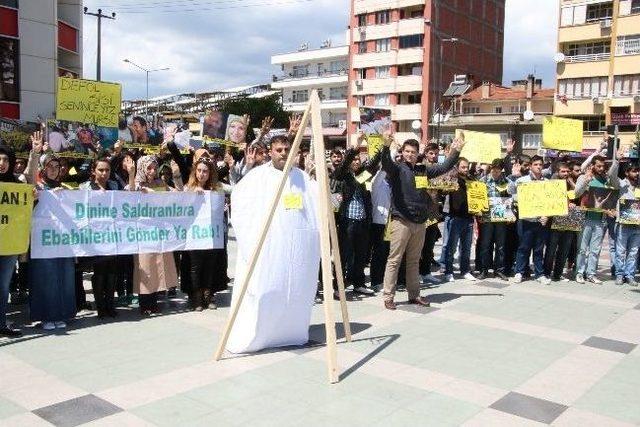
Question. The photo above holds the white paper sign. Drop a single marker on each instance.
(93, 223)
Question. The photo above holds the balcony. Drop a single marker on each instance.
(588, 31)
(325, 104)
(628, 47)
(309, 79)
(588, 58)
(404, 27)
(392, 57)
(368, 6)
(398, 84)
(406, 112)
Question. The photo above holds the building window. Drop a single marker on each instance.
(414, 98)
(598, 11)
(415, 40)
(9, 75)
(531, 140)
(362, 20)
(590, 87)
(383, 17)
(300, 96)
(635, 6)
(628, 45)
(362, 47)
(338, 66)
(360, 101)
(382, 72)
(383, 45)
(498, 110)
(300, 70)
(594, 48)
(381, 99)
(9, 3)
(338, 93)
(517, 109)
(626, 85)
(471, 110)
(362, 73)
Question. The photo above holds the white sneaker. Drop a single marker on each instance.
(60, 325)
(48, 326)
(517, 278)
(428, 278)
(469, 276)
(594, 279)
(579, 278)
(449, 278)
(544, 280)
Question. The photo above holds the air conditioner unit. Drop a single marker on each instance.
(606, 23)
(636, 99)
(597, 100)
(342, 124)
(359, 83)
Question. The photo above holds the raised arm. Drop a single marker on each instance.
(448, 164)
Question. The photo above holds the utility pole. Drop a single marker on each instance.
(99, 15)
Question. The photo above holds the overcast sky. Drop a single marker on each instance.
(217, 44)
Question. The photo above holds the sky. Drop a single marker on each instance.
(218, 44)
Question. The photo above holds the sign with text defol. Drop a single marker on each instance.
(94, 223)
(542, 198)
(88, 101)
(480, 147)
(16, 205)
(562, 134)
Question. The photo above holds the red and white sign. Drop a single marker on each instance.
(625, 119)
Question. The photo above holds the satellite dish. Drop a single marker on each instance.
(416, 125)
(528, 115)
(559, 57)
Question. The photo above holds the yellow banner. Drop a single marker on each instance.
(543, 198)
(477, 198)
(480, 147)
(88, 101)
(562, 134)
(16, 206)
(374, 144)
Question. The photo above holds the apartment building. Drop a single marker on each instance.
(514, 112)
(404, 53)
(324, 69)
(39, 40)
(598, 66)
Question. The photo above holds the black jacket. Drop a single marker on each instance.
(457, 201)
(350, 186)
(407, 201)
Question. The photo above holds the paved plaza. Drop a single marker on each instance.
(485, 354)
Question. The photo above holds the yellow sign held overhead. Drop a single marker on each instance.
(16, 206)
(374, 144)
(477, 197)
(480, 147)
(88, 101)
(562, 134)
(543, 198)
(422, 182)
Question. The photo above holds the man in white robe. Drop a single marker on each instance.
(276, 309)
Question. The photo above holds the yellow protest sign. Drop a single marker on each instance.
(571, 194)
(422, 182)
(477, 198)
(636, 193)
(292, 201)
(88, 101)
(480, 147)
(374, 144)
(16, 206)
(562, 134)
(543, 198)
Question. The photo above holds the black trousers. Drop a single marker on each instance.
(558, 247)
(354, 247)
(492, 241)
(124, 275)
(379, 253)
(512, 242)
(432, 234)
(103, 283)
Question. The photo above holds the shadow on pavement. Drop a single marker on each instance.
(446, 297)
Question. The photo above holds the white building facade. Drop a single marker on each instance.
(39, 41)
(324, 69)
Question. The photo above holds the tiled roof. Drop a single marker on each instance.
(499, 93)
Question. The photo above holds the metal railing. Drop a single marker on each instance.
(628, 47)
(588, 57)
(299, 76)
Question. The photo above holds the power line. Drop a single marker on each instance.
(168, 3)
(142, 9)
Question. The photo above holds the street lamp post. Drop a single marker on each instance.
(146, 108)
(439, 109)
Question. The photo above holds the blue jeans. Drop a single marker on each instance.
(445, 239)
(7, 265)
(627, 244)
(589, 244)
(532, 236)
(460, 230)
(612, 231)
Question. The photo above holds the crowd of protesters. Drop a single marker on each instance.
(388, 217)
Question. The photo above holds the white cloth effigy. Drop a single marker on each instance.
(276, 309)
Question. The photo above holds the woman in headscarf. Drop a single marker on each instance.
(52, 294)
(154, 272)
